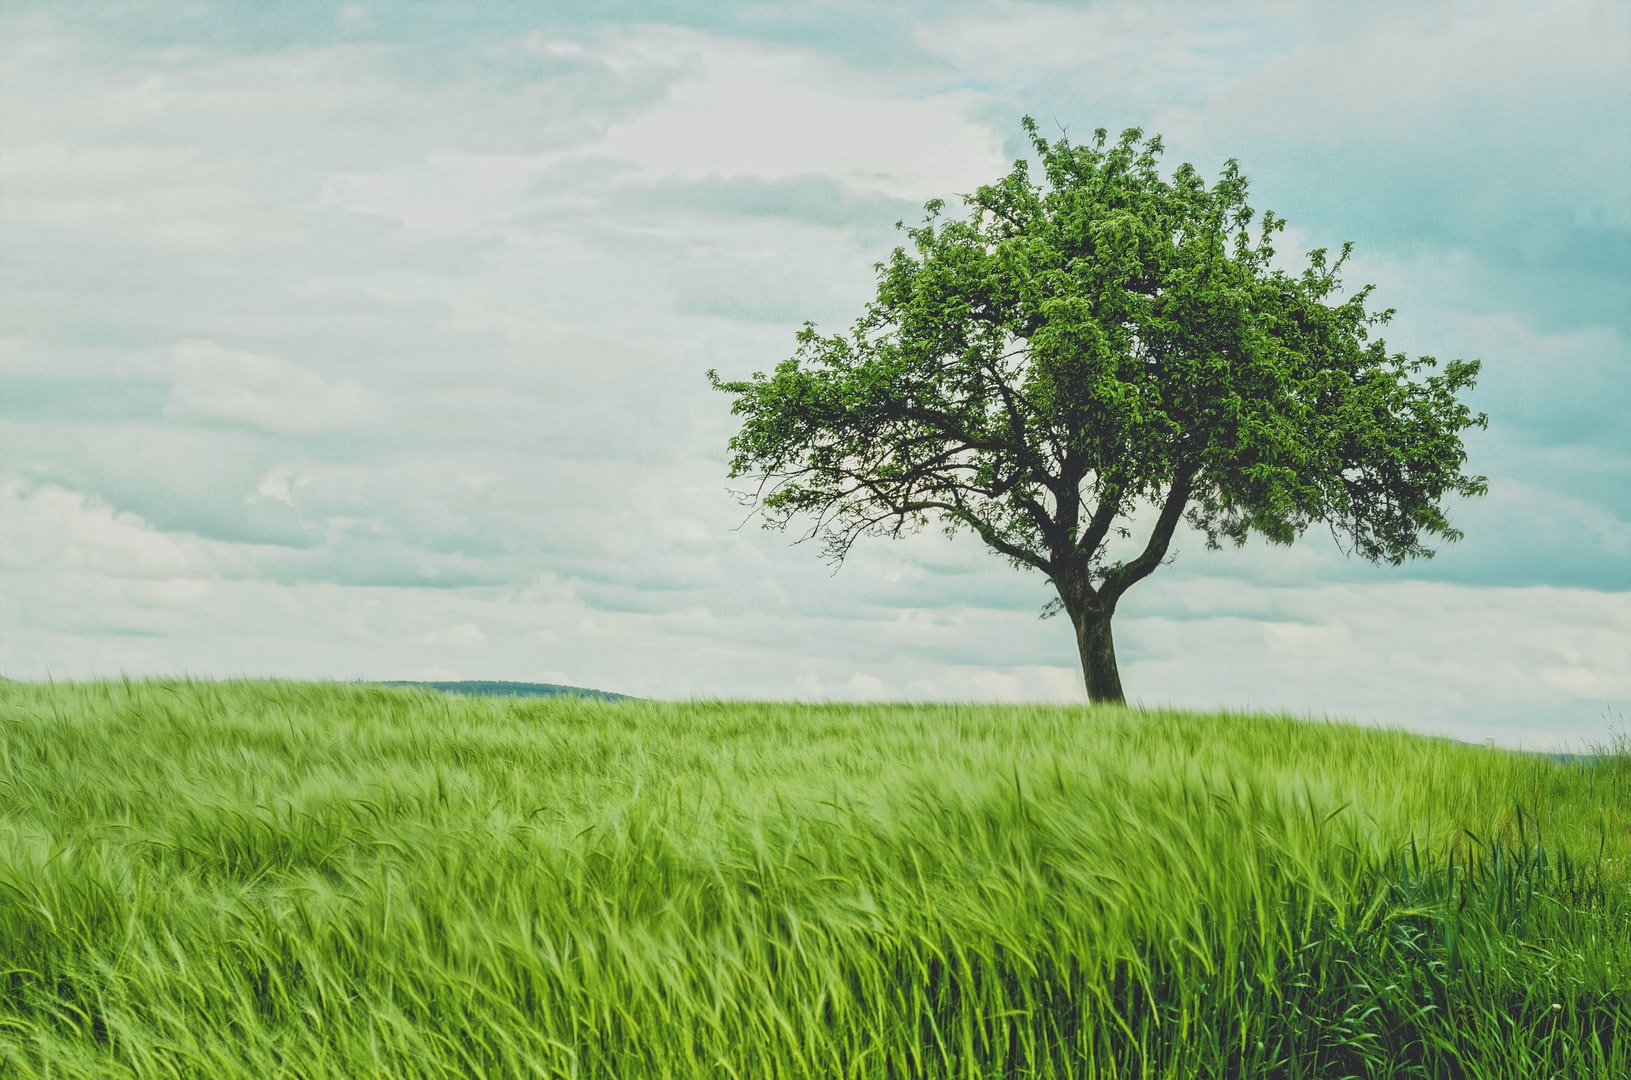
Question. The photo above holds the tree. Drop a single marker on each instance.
(1107, 349)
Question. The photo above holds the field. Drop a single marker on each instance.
(267, 879)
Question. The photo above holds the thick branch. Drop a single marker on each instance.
(950, 425)
(899, 498)
(1098, 527)
(1128, 574)
(961, 513)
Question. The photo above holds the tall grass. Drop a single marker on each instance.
(277, 879)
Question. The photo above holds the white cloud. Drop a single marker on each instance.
(330, 490)
(865, 686)
(1404, 70)
(47, 528)
(464, 637)
(1126, 52)
(446, 193)
(998, 685)
(266, 392)
(1437, 657)
(277, 485)
(746, 109)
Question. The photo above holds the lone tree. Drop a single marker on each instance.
(1107, 350)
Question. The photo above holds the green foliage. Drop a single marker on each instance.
(273, 879)
(1108, 339)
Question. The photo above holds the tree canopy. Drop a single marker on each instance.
(1102, 345)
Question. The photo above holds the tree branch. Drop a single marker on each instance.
(843, 513)
(990, 536)
(1098, 526)
(1118, 581)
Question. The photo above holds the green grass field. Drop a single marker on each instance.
(269, 879)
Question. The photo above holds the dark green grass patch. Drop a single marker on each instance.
(274, 879)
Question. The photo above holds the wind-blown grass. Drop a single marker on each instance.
(276, 879)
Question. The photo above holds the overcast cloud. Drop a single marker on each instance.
(368, 342)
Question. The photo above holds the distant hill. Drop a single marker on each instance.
(490, 688)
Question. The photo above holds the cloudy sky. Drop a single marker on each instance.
(368, 341)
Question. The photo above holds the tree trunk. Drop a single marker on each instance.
(1098, 649)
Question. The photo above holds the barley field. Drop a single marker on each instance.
(274, 879)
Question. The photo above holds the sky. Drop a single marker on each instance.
(369, 341)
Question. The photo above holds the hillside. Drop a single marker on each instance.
(277, 879)
(493, 688)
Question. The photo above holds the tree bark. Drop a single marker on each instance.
(1098, 649)
(1090, 615)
